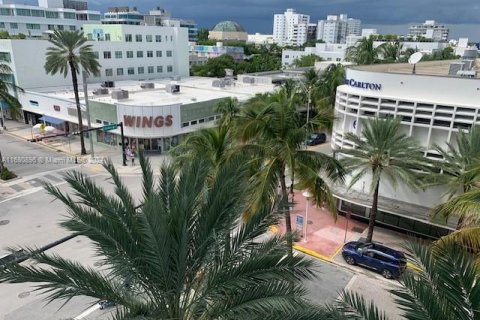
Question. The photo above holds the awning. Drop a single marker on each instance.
(52, 120)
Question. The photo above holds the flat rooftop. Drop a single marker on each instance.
(429, 68)
(192, 90)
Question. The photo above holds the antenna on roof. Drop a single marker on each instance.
(414, 59)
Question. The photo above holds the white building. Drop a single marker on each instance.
(258, 38)
(124, 52)
(336, 28)
(123, 15)
(326, 51)
(156, 114)
(35, 21)
(432, 105)
(430, 30)
(290, 28)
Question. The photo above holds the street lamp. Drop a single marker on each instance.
(307, 195)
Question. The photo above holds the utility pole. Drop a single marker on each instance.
(124, 156)
(85, 95)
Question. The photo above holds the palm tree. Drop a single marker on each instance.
(6, 96)
(273, 130)
(168, 257)
(70, 53)
(446, 287)
(382, 151)
(364, 52)
(466, 206)
(459, 172)
(332, 77)
(229, 108)
(390, 51)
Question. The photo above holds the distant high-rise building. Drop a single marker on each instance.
(430, 30)
(162, 17)
(123, 15)
(336, 28)
(291, 28)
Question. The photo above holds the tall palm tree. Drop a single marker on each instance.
(6, 96)
(364, 52)
(460, 172)
(69, 53)
(446, 286)
(332, 77)
(383, 152)
(168, 257)
(273, 130)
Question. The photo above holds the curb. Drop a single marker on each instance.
(11, 134)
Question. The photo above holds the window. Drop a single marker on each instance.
(119, 71)
(149, 54)
(107, 55)
(139, 54)
(149, 38)
(128, 38)
(95, 54)
(166, 38)
(169, 68)
(72, 28)
(5, 56)
(109, 72)
(38, 13)
(141, 70)
(51, 15)
(24, 12)
(131, 70)
(171, 38)
(6, 12)
(94, 17)
(69, 15)
(118, 54)
(107, 36)
(159, 53)
(158, 38)
(60, 27)
(151, 70)
(159, 69)
(129, 54)
(138, 38)
(169, 53)
(33, 26)
(13, 25)
(2, 24)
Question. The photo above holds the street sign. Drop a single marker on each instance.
(110, 127)
(299, 222)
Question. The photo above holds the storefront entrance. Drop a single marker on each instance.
(159, 145)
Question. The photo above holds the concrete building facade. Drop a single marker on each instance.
(49, 15)
(336, 28)
(430, 30)
(290, 28)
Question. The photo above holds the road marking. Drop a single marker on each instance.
(87, 312)
(350, 283)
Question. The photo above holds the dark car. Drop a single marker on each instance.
(105, 304)
(316, 138)
(389, 262)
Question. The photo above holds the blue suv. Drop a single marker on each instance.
(389, 262)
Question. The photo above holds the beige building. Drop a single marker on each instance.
(228, 31)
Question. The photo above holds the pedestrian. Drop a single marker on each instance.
(132, 155)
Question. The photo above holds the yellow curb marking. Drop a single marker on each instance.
(337, 252)
(311, 253)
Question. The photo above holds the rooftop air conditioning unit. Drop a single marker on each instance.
(249, 80)
(467, 74)
(172, 88)
(120, 94)
(147, 85)
(218, 83)
(108, 84)
(100, 91)
(455, 67)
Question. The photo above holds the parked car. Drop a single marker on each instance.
(389, 262)
(316, 138)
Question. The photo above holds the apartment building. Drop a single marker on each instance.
(291, 28)
(336, 28)
(430, 29)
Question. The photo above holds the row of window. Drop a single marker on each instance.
(36, 26)
(198, 121)
(140, 70)
(148, 38)
(129, 54)
(44, 14)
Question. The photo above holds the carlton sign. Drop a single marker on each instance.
(147, 122)
(363, 85)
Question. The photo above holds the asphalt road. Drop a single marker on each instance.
(27, 158)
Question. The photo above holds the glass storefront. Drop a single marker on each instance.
(158, 145)
(107, 138)
(393, 221)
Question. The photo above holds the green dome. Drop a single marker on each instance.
(228, 26)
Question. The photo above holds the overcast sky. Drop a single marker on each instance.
(463, 16)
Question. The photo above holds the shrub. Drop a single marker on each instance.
(7, 174)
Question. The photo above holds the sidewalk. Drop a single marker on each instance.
(326, 236)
